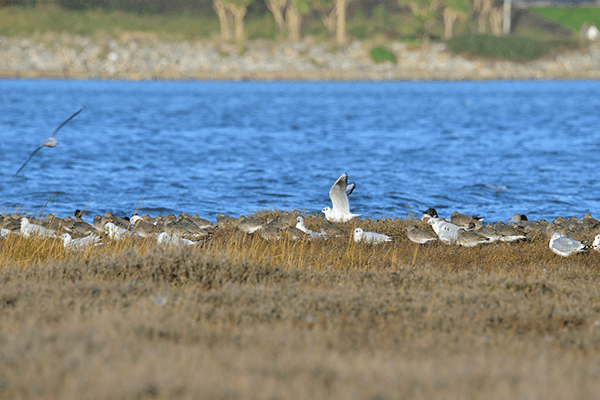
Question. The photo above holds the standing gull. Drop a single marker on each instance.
(339, 199)
(50, 142)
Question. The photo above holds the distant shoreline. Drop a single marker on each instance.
(129, 58)
(322, 76)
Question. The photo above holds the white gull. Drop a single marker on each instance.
(370, 237)
(596, 243)
(340, 211)
(28, 229)
(115, 232)
(165, 238)
(446, 231)
(80, 243)
(50, 142)
(311, 234)
(565, 246)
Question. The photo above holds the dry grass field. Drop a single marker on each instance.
(238, 317)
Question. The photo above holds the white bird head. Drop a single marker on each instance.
(300, 223)
(162, 237)
(555, 235)
(109, 227)
(66, 238)
(358, 234)
(134, 219)
(327, 211)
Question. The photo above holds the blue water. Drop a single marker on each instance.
(486, 148)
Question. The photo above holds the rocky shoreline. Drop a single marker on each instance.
(144, 57)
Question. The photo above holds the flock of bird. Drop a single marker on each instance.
(185, 230)
(468, 231)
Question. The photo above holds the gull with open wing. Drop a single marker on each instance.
(50, 142)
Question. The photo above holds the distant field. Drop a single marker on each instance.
(16, 21)
(571, 18)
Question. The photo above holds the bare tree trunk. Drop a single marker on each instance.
(328, 16)
(507, 16)
(276, 7)
(425, 14)
(238, 15)
(486, 7)
(224, 19)
(294, 19)
(340, 29)
(496, 15)
(477, 5)
(450, 17)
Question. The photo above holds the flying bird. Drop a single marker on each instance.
(50, 142)
(339, 199)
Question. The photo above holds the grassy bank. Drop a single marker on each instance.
(31, 21)
(570, 17)
(241, 317)
(379, 26)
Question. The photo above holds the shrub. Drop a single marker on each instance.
(513, 47)
(380, 54)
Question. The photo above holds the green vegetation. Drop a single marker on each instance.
(409, 21)
(512, 47)
(570, 17)
(15, 21)
(380, 54)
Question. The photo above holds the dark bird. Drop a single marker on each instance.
(50, 142)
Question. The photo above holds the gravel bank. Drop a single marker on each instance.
(138, 57)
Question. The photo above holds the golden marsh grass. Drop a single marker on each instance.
(241, 317)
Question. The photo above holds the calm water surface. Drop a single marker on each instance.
(492, 148)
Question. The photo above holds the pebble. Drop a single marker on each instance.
(138, 58)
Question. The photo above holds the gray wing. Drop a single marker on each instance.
(567, 245)
(23, 166)
(338, 195)
(350, 189)
(64, 123)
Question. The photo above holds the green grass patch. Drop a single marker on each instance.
(511, 48)
(380, 54)
(570, 17)
(26, 21)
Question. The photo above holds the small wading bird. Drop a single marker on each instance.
(50, 142)
(338, 194)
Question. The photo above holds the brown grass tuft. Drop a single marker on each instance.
(242, 317)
